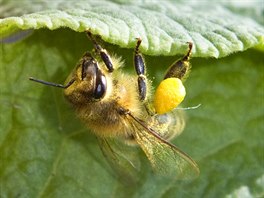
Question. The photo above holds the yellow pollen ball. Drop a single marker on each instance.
(169, 94)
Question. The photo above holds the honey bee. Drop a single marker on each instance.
(117, 105)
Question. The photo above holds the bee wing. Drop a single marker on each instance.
(122, 158)
(166, 159)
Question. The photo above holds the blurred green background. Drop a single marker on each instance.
(46, 152)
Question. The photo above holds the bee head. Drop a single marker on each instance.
(89, 82)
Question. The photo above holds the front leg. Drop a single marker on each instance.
(103, 53)
(140, 69)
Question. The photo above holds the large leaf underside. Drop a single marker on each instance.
(216, 30)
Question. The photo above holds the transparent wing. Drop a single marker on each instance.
(165, 158)
(123, 159)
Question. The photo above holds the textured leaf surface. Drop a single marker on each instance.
(165, 27)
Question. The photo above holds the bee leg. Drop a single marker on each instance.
(180, 68)
(103, 53)
(140, 69)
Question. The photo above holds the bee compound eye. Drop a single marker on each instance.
(100, 86)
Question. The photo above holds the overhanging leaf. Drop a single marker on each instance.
(164, 27)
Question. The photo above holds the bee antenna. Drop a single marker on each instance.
(189, 108)
(51, 84)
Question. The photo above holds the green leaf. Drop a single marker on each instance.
(165, 28)
(46, 152)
